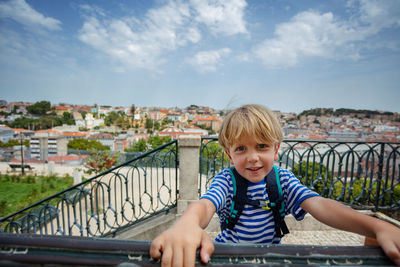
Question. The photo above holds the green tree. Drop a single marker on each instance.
(156, 125)
(139, 146)
(111, 118)
(122, 122)
(156, 141)
(85, 144)
(23, 122)
(39, 108)
(47, 122)
(67, 118)
(83, 114)
(149, 123)
(166, 121)
(14, 142)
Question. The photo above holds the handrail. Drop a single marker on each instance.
(99, 206)
(362, 174)
(81, 251)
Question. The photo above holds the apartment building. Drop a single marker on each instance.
(43, 147)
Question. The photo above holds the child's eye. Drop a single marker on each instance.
(240, 148)
(262, 146)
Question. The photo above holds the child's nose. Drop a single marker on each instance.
(253, 156)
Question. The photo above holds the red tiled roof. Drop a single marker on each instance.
(75, 134)
(48, 131)
(32, 160)
(66, 158)
(61, 108)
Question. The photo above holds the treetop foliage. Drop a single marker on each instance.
(154, 141)
(343, 111)
(85, 144)
(39, 108)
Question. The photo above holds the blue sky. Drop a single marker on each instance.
(288, 55)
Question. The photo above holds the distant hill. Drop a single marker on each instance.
(360, 113)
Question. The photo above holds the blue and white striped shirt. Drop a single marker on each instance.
(256, 225)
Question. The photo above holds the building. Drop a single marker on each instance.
(6, 134)
(61, 109)
(105, 139)
(43, 147)
(120, 143)
(91, 122)
(209, 121)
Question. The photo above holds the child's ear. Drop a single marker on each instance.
(227, 153)
(229, 156)
(276, 155)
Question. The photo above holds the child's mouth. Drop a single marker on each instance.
(254, 169)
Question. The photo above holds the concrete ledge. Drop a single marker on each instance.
(150, 228)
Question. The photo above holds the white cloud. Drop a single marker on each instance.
(306, 34)
(23, 13)
(223, 16)
(207, 61)
(377, 15)
(311, 33)
(140, 44)
(145, 43)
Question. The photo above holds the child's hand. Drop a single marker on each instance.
(177, 246)
(389, 240)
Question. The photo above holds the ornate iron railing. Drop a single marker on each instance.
(108, 202)
(360, 174)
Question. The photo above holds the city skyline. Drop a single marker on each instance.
(291, 56)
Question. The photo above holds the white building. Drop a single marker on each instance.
(91, 122)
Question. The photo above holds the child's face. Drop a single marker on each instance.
(251, 159)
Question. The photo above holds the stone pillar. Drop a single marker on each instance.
(51, 166)
(189, 151)
(77, 176)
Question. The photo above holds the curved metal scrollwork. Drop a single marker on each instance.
(100, 206)
(360, 174)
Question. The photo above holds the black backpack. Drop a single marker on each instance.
(275, 195)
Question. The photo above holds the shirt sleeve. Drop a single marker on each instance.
(219, 189)
(294, 193)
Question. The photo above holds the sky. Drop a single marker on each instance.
(287, 55)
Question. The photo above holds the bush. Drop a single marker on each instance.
(101, 161)
(314, 175)
(363, 194)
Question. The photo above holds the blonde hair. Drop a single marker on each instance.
(253, 120)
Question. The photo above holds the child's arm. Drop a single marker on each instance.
(177, 246)
(339, 216)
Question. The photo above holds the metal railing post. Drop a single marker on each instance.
(379, 177)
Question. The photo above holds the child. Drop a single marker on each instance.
(250, 136)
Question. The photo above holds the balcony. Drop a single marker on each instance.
(143, 196)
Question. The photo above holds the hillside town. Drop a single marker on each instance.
(46, 132)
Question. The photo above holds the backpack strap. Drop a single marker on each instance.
(276, 202)
(238, 201)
